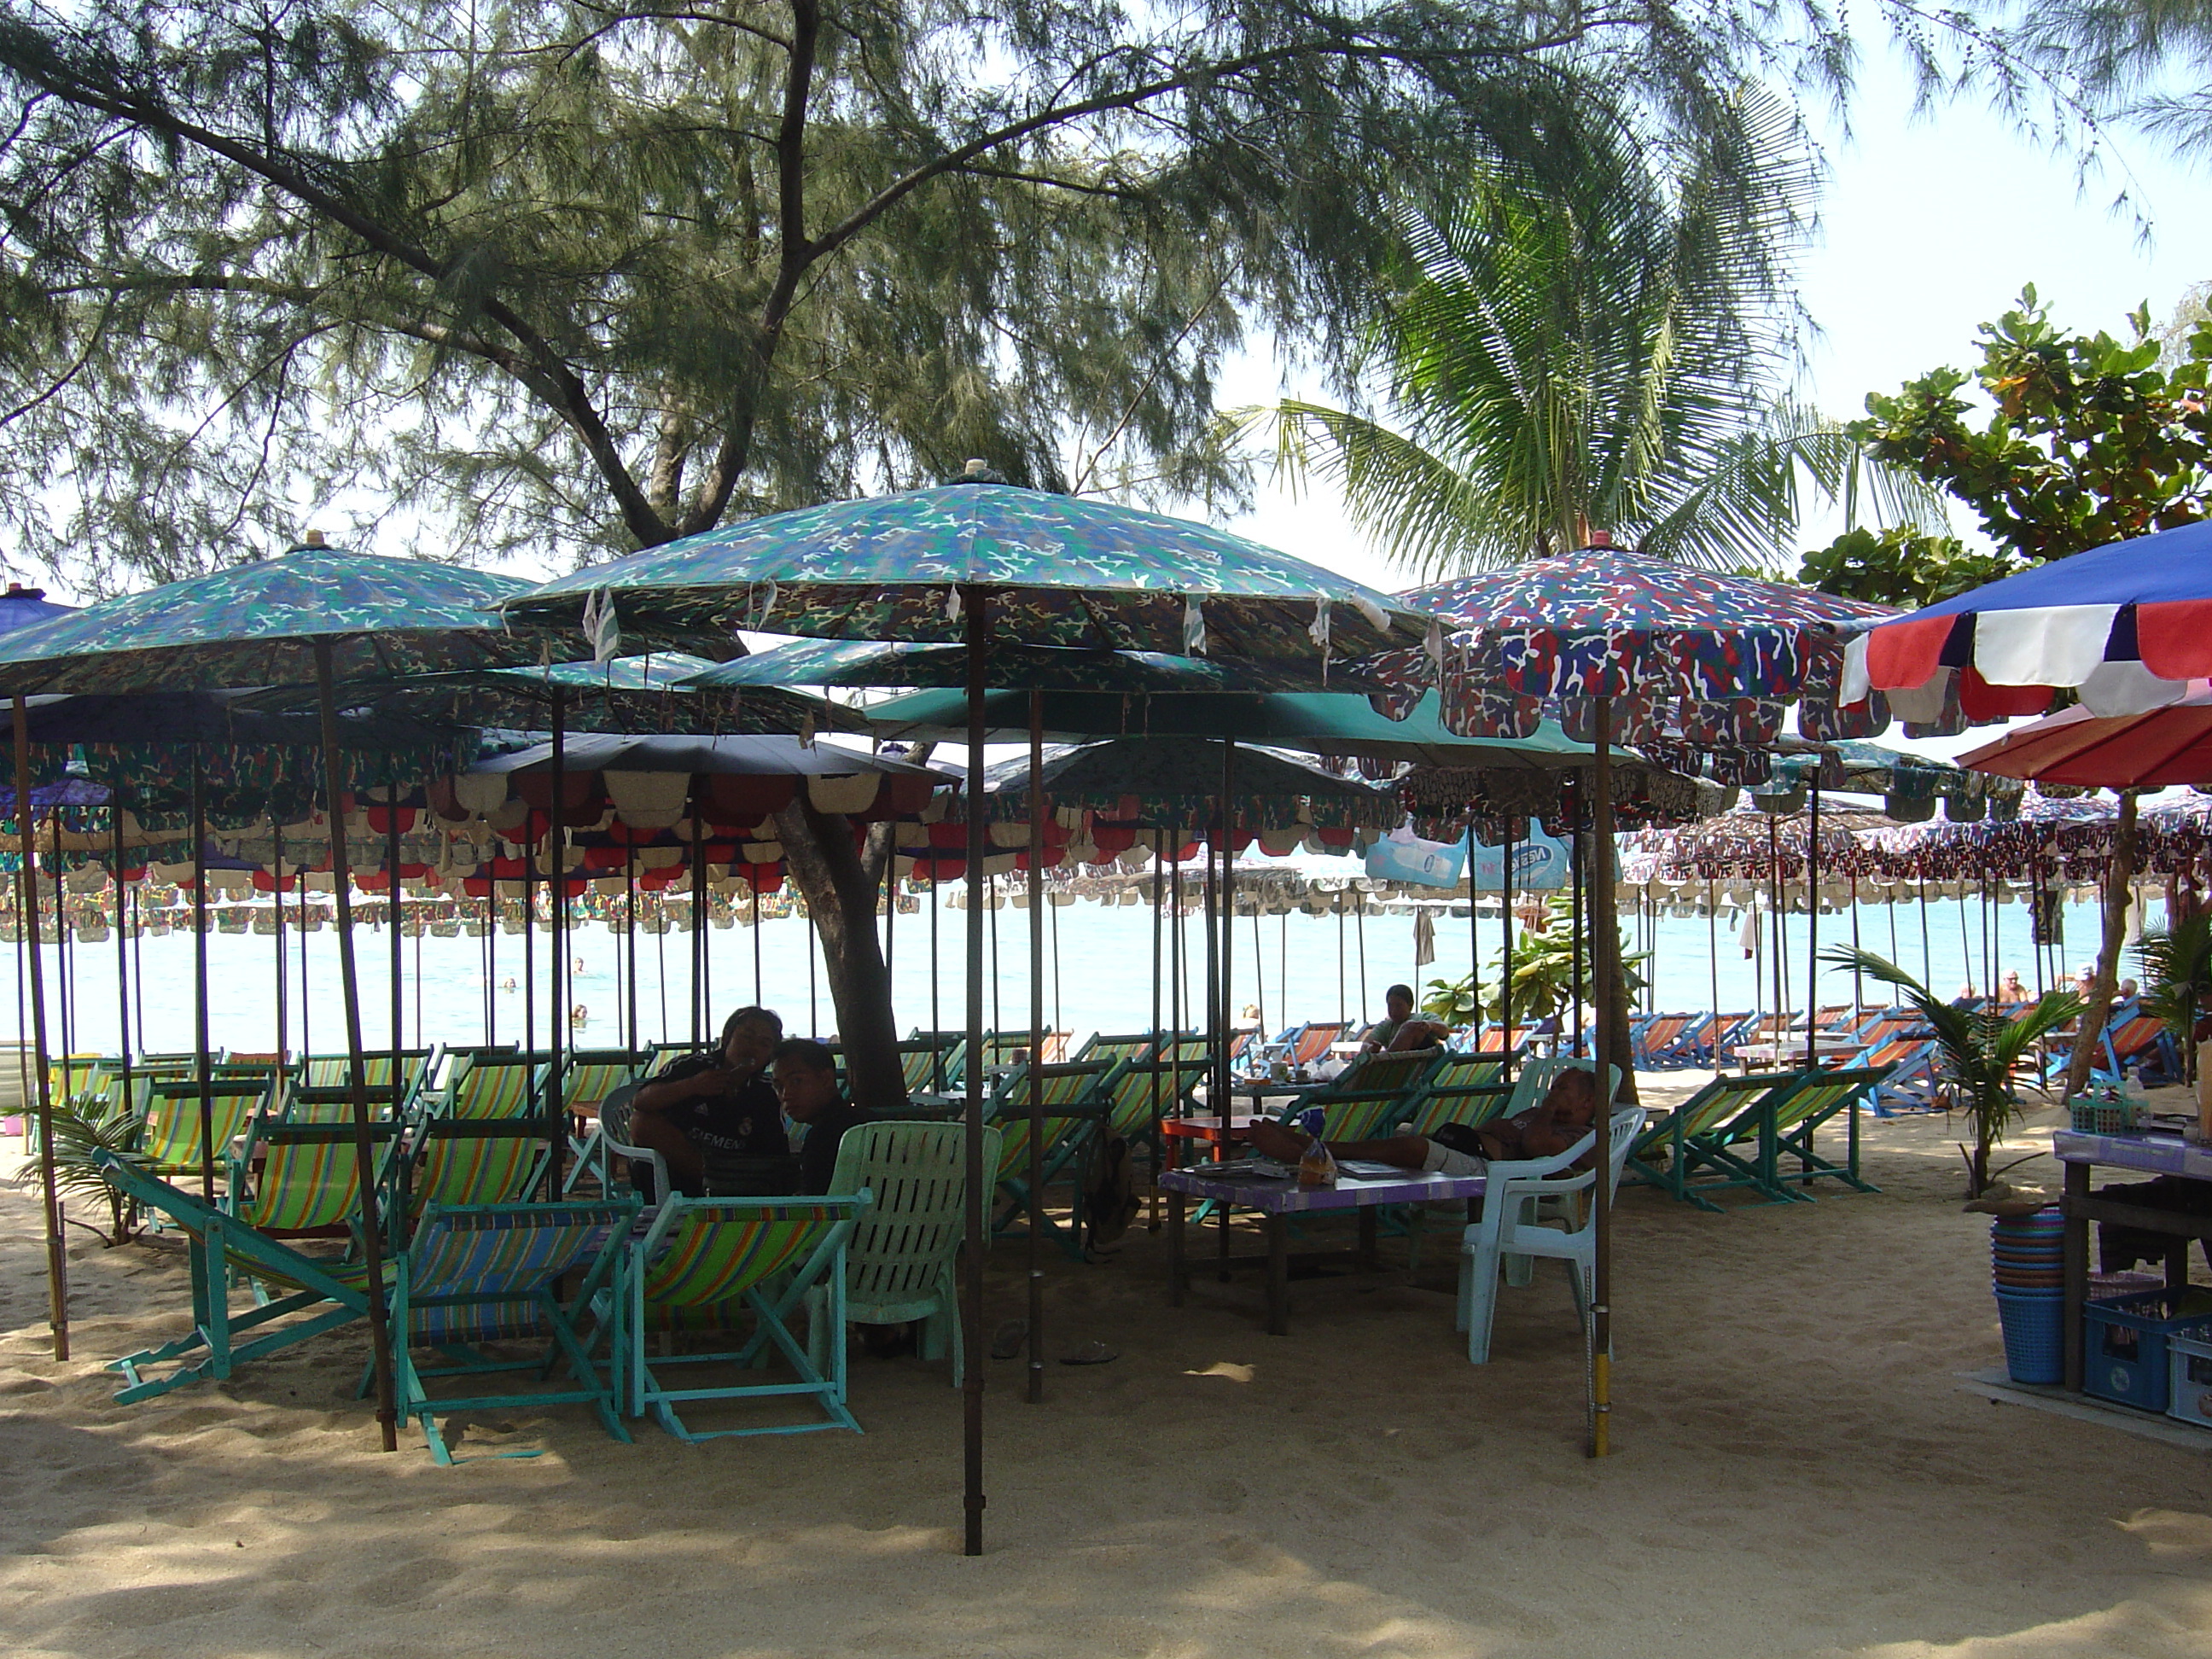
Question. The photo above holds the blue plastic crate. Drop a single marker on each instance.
(2188, 1361)
(2124, 1344)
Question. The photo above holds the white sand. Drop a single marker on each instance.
(1797, 1473)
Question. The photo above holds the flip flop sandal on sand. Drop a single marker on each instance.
(1090, 1353)
(1007, 1344)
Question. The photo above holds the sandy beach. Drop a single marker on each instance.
(1798, 1471)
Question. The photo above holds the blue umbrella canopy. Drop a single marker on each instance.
(256, 624)
(1062, 570)
(22, 607)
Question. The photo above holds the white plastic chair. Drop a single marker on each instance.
(1514, 1228)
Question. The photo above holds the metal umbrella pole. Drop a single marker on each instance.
(1601, 1311)
(976, 603)
(372, 1231)
(204, 1063)
(1813, 934)
(123, 944)
(392, 910)
(557, 1137)
(1035, 1264)
(49, 1190)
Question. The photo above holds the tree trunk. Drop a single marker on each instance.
(2120, 873)
(841, 883)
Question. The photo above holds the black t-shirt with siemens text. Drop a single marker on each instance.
(745, 1121)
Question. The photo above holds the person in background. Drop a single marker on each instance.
(1401, 1030)
(2010, 991)
(718, 1105)
(1545, 1130)
(806, 1086)
(2128, 992)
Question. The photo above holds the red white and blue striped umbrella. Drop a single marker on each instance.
(2127, 626)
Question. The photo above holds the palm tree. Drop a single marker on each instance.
(2177, 961)
(1980, 1051)
(1598, 334)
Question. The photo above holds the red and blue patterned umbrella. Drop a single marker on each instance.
(2129, 625)
(1684, 655)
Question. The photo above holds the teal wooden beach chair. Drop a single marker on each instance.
(588, 1077)
(706, 1269)
(899, 1262)
(1795, 1118)
(1688, 1153)
(1372, 1097)
(312, 1296)
(470, 1161)
(1073, 1105)
(1468, 1089)
(496, 1086)
(494, 1273)
(302, 1180)
(170, 1138)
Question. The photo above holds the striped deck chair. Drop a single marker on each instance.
(1493, 1040)
(1119, 1050)
(1184, 1045)
(307, 1184)
(2135, 1039)
(1462, 1089)
(1658, 1037)
(223, 1249)
(1701, 1135)
(1132, 1092)
(1371, 1098)
(1908, 1084)
(170, 1138)
(335, 1071)
(1793, 1118)
(589, 1076)
(470, 1161)
(1074, 1104)
(497, 1086)
(930, 1066)
(1314, 1043)
(707, 1263)
(485, 1273)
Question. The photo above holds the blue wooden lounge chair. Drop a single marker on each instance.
(485, 1273)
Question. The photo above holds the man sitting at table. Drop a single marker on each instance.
(807, 1084)
(1545, 1130)
(718, 1105)
(1398, 1031)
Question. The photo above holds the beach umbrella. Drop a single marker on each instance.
(1635, 650)
(980, 563)
(2158, 747)
(316, 614)
(1025, 668)
(2126, 626)
(24, 607)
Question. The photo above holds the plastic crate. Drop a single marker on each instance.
(2034, 1336)
(2104, 1114)
(2188, 1377)
(2123, 1343)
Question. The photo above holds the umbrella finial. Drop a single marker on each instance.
(979, 471)
(314, 538)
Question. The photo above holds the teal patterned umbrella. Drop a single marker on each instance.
(1060, 570)
(257, 624)
(1052, 668)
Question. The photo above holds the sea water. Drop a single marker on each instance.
(1098, 975)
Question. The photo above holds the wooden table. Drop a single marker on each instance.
(2149, 1154)
(1278, 1200)
(1180, 1132)
(1771, 1053)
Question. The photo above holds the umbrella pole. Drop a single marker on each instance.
(1505, 936)
(1601, 1312)
(1775, 904)
(1576, 851)
(204, 1064)
(555, 840)
(1035, 1265)
(1160, 1050)
(1713, 967)
(936, 984)
(1813, 933)
(752, 886)
(380, 1338)
(1473, 940)
(1343, 993)
(391, 902)
(277, 895)
(49, 1188)
(630, 940)
(1175, 933)
(123, 944)
(698, 930)
(976, 602)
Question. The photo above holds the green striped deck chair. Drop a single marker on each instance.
(472, 1161)
(1133, 1090)
(1697, 1138)
(1371, 1098)
(306, 1184)
(929, 1066)
(703, 1265)
(1797, 1117)
(480, 1273)
(951, 1045)
(1462, 1089)
(498, 1086)
(1073, 1105)
(590, 1076)
(1187, 1045)
(223, 1249)
(1122, 1050)
(169, 1140)
(303, 1105)
(334, 1071)
(899, 1262)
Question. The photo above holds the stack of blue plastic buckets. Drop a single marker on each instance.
(2028, 1273)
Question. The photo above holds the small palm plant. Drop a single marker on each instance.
(2177, 961)
(1981, 1051)
(87, 1125)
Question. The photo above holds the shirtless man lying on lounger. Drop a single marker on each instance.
(1545, 1130)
